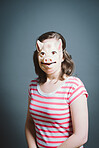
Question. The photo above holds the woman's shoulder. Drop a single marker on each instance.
(74, 80)
(33, 82)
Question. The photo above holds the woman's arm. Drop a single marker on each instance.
(30, 130)
(79, 115)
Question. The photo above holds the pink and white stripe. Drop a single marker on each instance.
(51, 112)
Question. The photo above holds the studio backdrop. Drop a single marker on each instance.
(21, 23)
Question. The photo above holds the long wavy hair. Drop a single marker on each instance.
(67, 66)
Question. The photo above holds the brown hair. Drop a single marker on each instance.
(67, 65)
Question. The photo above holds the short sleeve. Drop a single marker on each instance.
(29, 93)
(32, 87)
(79, 90)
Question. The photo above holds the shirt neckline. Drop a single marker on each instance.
(51, 93)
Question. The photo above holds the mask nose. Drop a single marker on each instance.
(47, 60)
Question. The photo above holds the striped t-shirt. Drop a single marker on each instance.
(51, 111)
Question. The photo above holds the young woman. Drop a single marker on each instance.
(57, 110)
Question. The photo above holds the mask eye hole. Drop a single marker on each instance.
(54, 52)
(42, 53)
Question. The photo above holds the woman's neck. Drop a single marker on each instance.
(54, 78)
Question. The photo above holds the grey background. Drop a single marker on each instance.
(21, 23)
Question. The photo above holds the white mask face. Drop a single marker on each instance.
(50, 54)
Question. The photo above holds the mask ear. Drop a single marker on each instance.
(39, 45)
(59, 44)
